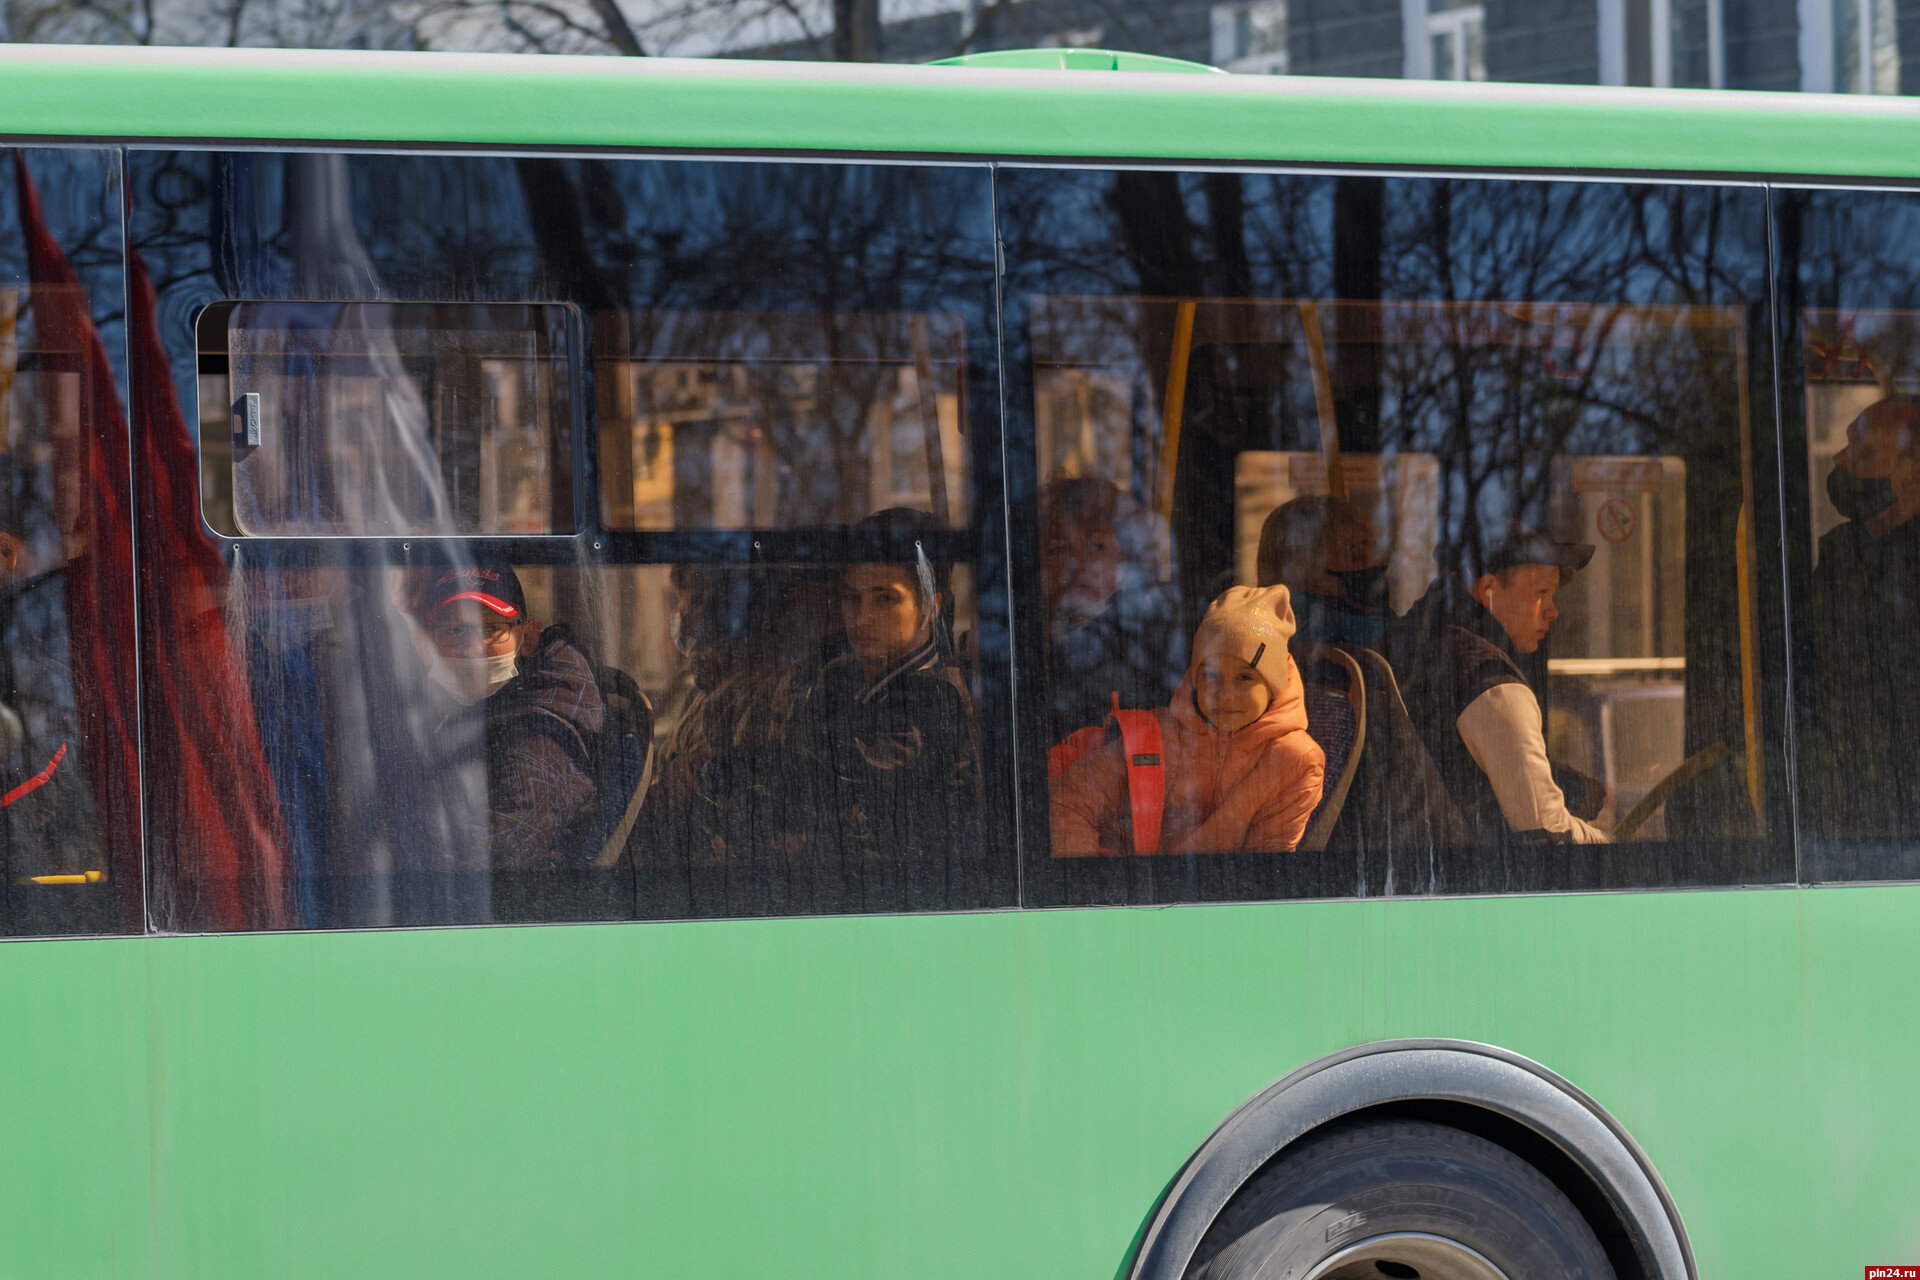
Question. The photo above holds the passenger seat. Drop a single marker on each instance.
(1395, 799)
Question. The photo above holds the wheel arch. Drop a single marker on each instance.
(1499, 1095)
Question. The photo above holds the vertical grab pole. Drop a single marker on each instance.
(1176, 404)
(929, 416)
(1743, 581)
(1749, 692)
(1323, 400)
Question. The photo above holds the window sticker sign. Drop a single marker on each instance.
(1615, 520)
(1361, 471)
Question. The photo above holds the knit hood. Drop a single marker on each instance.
(1254, 625)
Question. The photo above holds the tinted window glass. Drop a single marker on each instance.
(726, 636)
(782, 420)
(355, 418)
(1483, 458)
(1850, 323)
(69, 784)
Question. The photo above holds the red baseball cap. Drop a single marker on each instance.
(493, 586)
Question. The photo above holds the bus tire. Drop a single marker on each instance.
(1388, 1197)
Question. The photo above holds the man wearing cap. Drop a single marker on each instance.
(542, 706)
(1457, 656)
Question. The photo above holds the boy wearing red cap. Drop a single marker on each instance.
(542, 707)
(1241, 773)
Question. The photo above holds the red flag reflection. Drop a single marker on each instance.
(214, 821)
(92, 503)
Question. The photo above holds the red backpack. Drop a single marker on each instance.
(1139, 734)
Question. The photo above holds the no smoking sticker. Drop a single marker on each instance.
(1615, 520)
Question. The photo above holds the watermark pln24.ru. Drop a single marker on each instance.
(1893, 1273)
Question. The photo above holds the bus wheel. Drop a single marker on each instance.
(1405, 1199)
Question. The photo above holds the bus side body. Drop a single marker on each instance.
(789, 1013)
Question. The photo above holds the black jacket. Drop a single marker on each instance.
(1860, 760)
(1446, 652)
(894, 771)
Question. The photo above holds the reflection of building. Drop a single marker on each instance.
(1840, 46)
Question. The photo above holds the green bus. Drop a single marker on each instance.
(722, 669)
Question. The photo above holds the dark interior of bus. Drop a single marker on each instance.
(552, 539)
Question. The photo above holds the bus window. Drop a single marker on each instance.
(69, 783)
(1495, 495)
(1849, 324)
(649, 577)
(377, 419)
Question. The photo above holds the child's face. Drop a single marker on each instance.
(1232, 695)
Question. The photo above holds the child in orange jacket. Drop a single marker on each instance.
(1241, 774)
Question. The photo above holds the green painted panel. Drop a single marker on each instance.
(506, 101)
(74, 1085)
(945, 1096)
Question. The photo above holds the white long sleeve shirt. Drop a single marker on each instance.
(1502, 731)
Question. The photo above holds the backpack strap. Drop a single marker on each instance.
(1146, 775)
(616, 842)
(629, 718)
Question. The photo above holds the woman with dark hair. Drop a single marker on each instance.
(892, 724)
(754, 638)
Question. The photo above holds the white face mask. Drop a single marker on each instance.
(467, 680)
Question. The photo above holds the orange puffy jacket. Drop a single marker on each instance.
(1250, 791)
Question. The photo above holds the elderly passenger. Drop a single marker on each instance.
(1110, 629)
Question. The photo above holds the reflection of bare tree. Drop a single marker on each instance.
(1497, 328)
(1496, 413)
(771, 420)
(842, 30)
(1494, 408)
(769, 267)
